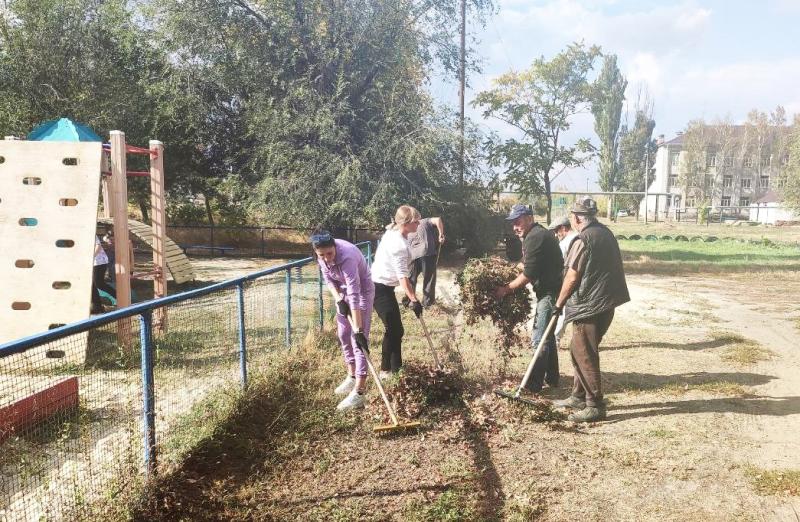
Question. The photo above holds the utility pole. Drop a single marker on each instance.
(646, 176)
(462, 86)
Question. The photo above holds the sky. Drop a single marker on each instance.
(696, 58)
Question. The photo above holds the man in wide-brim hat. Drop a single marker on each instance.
(594, 285)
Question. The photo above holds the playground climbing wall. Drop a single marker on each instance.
(48, 210)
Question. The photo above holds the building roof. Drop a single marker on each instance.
(713, 130)
(770, 197)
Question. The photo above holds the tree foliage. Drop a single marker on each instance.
(608, 97)
(297, 111)
(541, 103)
(637, 152)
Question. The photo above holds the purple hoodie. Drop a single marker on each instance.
(350, 275)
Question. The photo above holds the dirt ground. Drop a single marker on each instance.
(691, 424)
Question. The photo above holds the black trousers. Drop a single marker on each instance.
(427, 266)
(99, 281)
(385, 305)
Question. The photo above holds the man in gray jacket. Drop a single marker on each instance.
(594, 285)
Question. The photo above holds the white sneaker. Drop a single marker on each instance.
(346, 387)
(351, 402)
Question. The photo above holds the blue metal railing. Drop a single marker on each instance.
(144, 312)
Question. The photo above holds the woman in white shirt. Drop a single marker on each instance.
(391, 268)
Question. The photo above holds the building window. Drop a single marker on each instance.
(763, 182)
(785, 160)
(780, 182)
(726, 201)
(690, 202)
(746, 183)
(674, 159)
(672, 181)
(748, 161)
(727, 181)
(711, 159)
(744, 202)
(765, 161)
(728, 161)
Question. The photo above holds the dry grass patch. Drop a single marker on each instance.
(712, 387)
(775, 482)
(743, 351)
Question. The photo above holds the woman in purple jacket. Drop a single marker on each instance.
(348, 277)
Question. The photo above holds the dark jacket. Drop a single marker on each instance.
(602, 286)
(542, 261)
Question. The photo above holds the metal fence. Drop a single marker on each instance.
(252, 240)
(89, 410)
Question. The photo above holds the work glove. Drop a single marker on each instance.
(361, 341)
(343, 308)
(558, 310)
(416, 307)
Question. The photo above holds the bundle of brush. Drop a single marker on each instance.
(418, 386)
(478, 281)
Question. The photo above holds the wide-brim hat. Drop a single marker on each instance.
(584, 205)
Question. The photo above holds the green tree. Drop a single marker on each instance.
(636, 143)
(607, 98)
(791, 175)
(540, 103)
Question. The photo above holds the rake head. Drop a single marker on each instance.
(401, 426)
(514, 397)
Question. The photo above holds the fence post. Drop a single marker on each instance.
(262, 241)
(242, 337)
(321, 302)
(148, 391)
(288, 307)
(369, 253)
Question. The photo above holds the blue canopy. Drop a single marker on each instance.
(63, 130)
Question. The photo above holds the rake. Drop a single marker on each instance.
(516, 395)
(396, 425)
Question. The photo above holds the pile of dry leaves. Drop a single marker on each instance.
(416, 387)
(478, 282)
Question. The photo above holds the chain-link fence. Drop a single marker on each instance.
(219, 240)
(89, 410)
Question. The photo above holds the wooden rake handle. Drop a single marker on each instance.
(430, 343)
(529, 371)
(377, 379)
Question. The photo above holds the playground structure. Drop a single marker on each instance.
(49, 188)
(48, 206)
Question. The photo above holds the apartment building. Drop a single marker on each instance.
(728, 167)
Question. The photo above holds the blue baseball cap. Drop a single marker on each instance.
(518, 211)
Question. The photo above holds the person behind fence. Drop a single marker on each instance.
(390, 269)
(425, 245)
(99, 277)
(542, 267)
(347, 275)
(594, 285)
(563, 230)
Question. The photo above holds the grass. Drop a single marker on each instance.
(697, 257)
(719, 387)
(774, 482)
(743, 351)
(451, 506)
(628, 226)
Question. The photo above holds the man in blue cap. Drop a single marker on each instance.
(542, 267)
